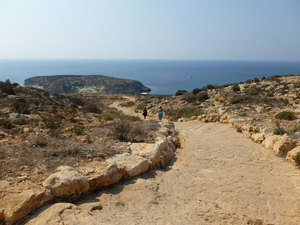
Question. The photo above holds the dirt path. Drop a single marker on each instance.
(218, 177)
(126, 110)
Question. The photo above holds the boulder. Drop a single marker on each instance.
(104, 175)
(258, 137)
(149, 151)
(166, 152)
(291, 154)
(270, 141)
(133, 164)
(18, 200)
(283, 145)
(67, 182)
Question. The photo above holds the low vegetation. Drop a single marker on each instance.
(279, 131)
(285, 115)
(297, 158)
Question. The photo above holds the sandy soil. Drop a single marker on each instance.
(218, 177)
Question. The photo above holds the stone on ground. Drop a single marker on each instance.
(18, 200)
(68, 182)
(133, 164)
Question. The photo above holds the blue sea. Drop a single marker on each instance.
(162, 76)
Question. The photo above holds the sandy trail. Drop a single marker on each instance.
(219, 177)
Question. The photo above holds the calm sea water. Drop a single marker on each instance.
(162, 76)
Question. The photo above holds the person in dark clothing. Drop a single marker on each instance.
(145, 113)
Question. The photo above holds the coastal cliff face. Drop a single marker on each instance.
(86, 83)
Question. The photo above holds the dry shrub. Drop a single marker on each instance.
(7, 88)
(125, 130)
(190, 98)
(202, 96)
(236, 88)
(180, 92)
(286, 115)
(21, 106)
(91, 107)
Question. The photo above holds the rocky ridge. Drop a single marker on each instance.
(86, 83)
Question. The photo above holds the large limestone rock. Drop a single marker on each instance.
(258, 137)
(133, 164)
(149, 151)
(270, 141)
(67, 182)
(104, 174)
(166, 152)
(291, 154)
(18, 200)
(283, 145)
(66, 213)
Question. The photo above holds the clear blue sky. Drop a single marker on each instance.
(150, 29)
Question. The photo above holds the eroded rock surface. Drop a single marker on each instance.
(20, 199)
(66, 182)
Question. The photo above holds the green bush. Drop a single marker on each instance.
(108, 116)
(236, 88)
(125, 130)
(195, 91)
(52, 123)
(285, 115)
(91, 107)
(297, 158)
(293, 130)
(127, 104)
(112, 114)
(279, 131)
(253, 91)
(180, 92)
(240, 99)
(202, 96)
(7, 124)
(189, 112)
(189, 98)
(78, 130)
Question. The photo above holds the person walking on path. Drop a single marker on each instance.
(145, 113)
(161, 113)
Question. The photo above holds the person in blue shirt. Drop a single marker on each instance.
(161, 113)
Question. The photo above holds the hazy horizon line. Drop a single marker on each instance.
(151, 59)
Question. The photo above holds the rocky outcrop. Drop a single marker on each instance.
(103, 174)
(132, 164)
(283, 145)
(86, 83)
(66, 182)
(20, 199)
(292, 154)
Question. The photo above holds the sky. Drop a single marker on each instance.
(150, 29)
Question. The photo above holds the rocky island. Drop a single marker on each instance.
(86, 83)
